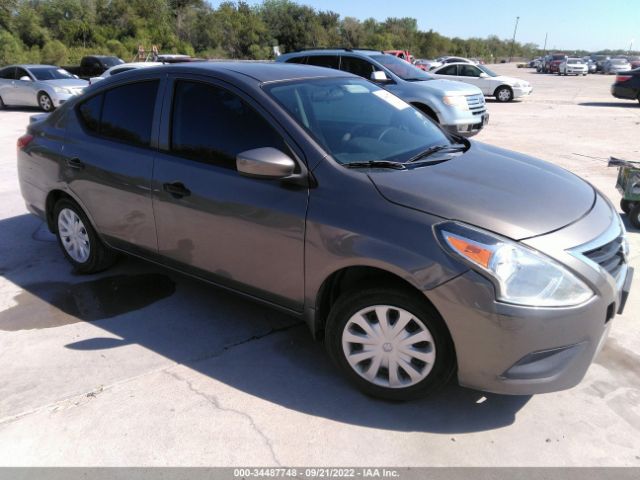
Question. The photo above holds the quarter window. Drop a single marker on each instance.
(211, 124)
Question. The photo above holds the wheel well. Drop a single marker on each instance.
(347, 278)
(495, 92)
(52, 199)
(427, 111)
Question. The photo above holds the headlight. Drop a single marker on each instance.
(458, 101)
(61, 90)
(521, 275)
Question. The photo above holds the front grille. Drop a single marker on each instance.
(609, 256)
(476, 104)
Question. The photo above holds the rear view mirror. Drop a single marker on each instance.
(379, 76)
(25, 78)
(265, 162)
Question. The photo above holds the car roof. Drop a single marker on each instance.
(260, 71)
(25, 65)
(337, 51)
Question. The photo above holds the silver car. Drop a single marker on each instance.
(44, 86)
(616, 65)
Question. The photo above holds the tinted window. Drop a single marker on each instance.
(90, 111)
(21, 72)
(329, 61)
(213, 125)
(357, 66)
(127, 112)
(8, 73)
(450, 70)
(469, 71)
(297, 60)
(50, 73)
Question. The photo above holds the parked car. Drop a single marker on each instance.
(93, 66)
(402, 54)
(124, 67)
(552, 62)
(44, 86)
(591, 65)
(426, 65)
(457, 107)
(634, 62)
(627, 85)
(616, 65)
(503, 88)
(599, 61)
(456, 60)
(573, 66)
(490, 265)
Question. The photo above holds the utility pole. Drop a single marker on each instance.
(513, 40)
(544, 50)
(631, 46)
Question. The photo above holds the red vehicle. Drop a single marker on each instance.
(554, 61)
(403, 54)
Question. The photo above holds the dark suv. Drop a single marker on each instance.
(415, 254)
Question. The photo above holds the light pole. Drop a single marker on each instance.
(513, 40)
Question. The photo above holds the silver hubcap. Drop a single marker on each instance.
(73, 235)
(504, 95)
(45, 102)
(388, 346)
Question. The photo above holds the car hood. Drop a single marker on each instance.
(66, 83)
(502, 191)
(449, 87)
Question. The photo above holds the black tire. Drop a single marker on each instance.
(100, 256)
(45, 102)
(634, 215)
(2, 105)
(625, 205)
(507, 91)
(352, 302)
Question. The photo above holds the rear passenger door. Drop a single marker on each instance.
(108, 161)
(243, 233)
(449, 72)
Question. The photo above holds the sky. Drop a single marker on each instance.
(570, 24)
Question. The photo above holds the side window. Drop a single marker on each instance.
(469, 71)
(21, 72)
(357, 66)
(90, 111)
(8, 73)
(329, 61)
(127, 113)
(212, 125)
(297, 60)
(450, 70)
(87, 62)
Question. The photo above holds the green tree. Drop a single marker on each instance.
(55, 53)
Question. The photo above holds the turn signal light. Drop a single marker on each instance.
(471, 250)
(24, 140)
(622, 78)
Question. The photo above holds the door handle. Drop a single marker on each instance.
(75, 163)
(176, 189)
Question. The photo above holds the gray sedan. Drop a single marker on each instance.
(44, 86)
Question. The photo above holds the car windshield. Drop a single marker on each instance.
(50, 73)
(488, 71)
(574, 60)
(356, 121)
(619, 61)
(111, 61)
(401, 68)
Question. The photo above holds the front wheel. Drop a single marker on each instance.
(625, 205)
(45, 102)
(390, 343)
(504, 94)
(79, 241)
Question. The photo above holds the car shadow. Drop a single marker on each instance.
(621, 104)
(7, 108)
(245, 345)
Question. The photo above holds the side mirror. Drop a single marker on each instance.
(265, 162)
(379, 76)
(25, 78)
(483, 75)
(76, 76)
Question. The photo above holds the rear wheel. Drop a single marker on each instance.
(45, 102)
(634, 215)
(625, 206)
(79, 241)
(390, 343)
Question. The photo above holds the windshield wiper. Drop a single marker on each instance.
(456, 147)
(376, 164)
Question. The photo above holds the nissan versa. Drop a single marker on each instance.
(413, 253)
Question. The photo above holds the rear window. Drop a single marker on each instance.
(123, 113)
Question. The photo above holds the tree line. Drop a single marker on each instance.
(62, 31)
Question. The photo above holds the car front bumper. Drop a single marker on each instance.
(522, 350)
(469, 126)
(58, 98)
(576, 71)
(519, 92)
